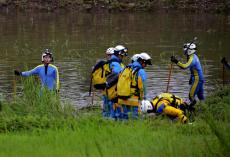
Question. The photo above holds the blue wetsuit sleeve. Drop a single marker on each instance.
(34, 71)
(115, 67)
(143, 75)
(56, 76)
(228, 65)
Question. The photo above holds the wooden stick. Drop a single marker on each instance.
(14, 87)
(169, 77)
(93, 96)
(223, 75)
(91, 84)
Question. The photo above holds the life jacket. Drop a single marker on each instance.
(99, 74)
(169, 98)
(127, 83)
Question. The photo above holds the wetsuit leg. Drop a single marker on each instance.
(134, 110)
(194, 89)
(200, 92)
(105, 106)
(125, 112)
(171, 111)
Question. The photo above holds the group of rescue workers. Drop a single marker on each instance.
(124, 88)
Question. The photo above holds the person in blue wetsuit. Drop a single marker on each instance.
(107, 105)
(116, 66)
(143, 60)
(197, 78)
(139, 91)
(47, 72)
(225, 62)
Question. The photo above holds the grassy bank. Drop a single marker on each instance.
(120, 5)
(42, 126)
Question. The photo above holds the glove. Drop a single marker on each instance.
(18, 73)
(223, 60)
(191, 106)
(174, 60)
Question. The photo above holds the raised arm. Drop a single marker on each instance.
(34, 71)
(186, 65)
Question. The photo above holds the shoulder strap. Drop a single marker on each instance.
(127, 66)
(174, 100)
(136, 70)
(159, 99)
(135, 73)
(99, 65)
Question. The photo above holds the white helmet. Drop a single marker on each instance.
(146, 106)
(110, 51)
(45, 53)
(147, 59)
(189, 48)
(135, 57)
(121, 50)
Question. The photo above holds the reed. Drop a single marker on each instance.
(40, 125)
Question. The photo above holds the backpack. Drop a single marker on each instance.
(99, 73)
(175, 101)
(111, 87)
(127, 84)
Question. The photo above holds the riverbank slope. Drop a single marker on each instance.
(215, 6)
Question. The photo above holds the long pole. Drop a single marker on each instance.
(92, 96)
(91, 89)
(223, 75)
(169, 77)
(90, 86)
(14, 87)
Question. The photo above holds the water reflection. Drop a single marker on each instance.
(78, 40)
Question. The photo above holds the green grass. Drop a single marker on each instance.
(100, 138)
(43, 126)
(97, 137)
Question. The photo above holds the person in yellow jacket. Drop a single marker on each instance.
(107, 105)
(132, 86)
(167, 104)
